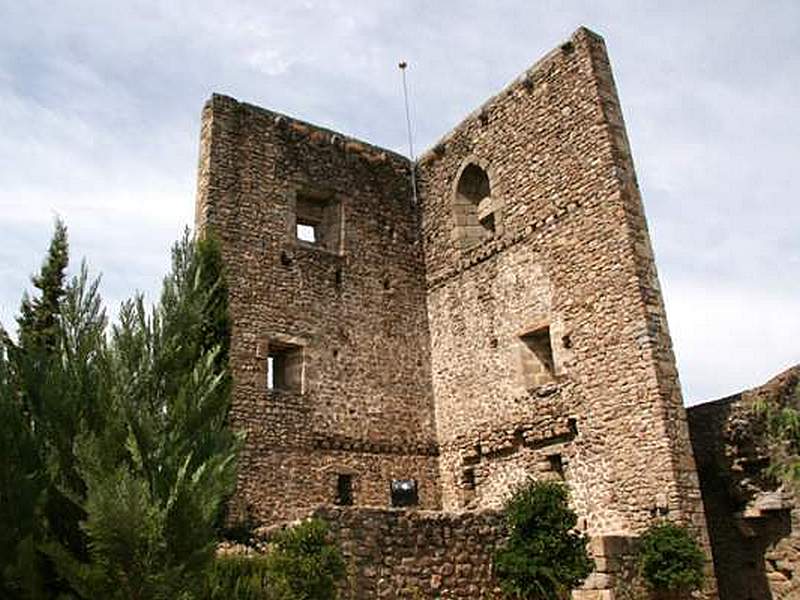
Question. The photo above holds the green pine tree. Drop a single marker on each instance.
(121, 456)
(38, 320)
(157, 476)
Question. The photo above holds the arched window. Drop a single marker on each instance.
(475, 209)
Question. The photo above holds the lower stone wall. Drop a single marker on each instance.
(416, 554)
(753, 522)
(396, 554)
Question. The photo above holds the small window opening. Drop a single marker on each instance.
(537, 363)
(318, 221)
(556, 464)
(285, 367)
(468, 478)
(344, 490)
(404, 493)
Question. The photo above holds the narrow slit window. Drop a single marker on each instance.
(468, 478)
(556, 465)
(344, 490)
(271, 372)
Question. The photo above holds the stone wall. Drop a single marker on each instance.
(753, 522)
(566, 257)
(416, 554)
(399, 554)
(509, 325)
(350, 313)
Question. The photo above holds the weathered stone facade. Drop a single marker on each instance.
(753, 521)
(507, 325)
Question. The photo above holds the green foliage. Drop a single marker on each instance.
(303, 565)
(544, 556)
(22, 484)
(782, 428)
(38, 320)
(670, 559)
(122, 455)
(237, 578)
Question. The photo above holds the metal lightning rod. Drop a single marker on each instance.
(403, 64)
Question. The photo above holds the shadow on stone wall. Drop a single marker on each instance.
(752, 521)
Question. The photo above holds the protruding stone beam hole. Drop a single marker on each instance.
(344, 489)
(572, 423)
(404, 493)
(475, 207)
(318, 222)
(566, 341)
(536, 357)
(285, 367)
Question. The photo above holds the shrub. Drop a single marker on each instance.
(303, 565)
(238, 578)
(544, 556)
(670, 559)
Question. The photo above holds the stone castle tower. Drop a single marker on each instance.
(509, 324)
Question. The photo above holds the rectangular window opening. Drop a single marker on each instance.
(344, 490)
(285, 368)
(468, 478)
(537, 363)
(556, 464)
(318, 221)
(404, 493)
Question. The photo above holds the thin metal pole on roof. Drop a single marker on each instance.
(403, 65)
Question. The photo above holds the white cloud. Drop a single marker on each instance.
(101, 106)
(729, 338)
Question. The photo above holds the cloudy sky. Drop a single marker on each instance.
(100, 104)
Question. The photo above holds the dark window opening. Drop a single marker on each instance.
(285, 367)
(344, 490)
(404, 492)
(537, 357)
(468, 478)
(556, 464)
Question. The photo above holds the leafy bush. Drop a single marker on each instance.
(782, 431)
(670, 559)
(303, 565)
(238, 578)
(544, 556)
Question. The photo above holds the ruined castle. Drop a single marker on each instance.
(433, 350)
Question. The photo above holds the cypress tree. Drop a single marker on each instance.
(119, 455)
